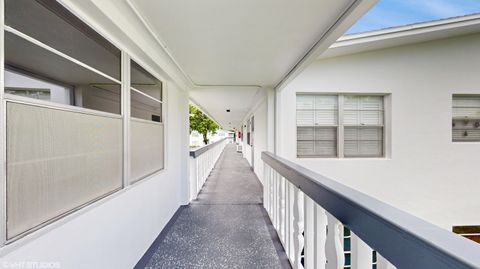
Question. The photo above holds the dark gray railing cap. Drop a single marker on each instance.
(403, 239)
(200, 151)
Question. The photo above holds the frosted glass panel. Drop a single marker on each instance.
(57, 161)
(146, 148)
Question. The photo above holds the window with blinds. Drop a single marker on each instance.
(327, 123)
(317, 124)
(363, 123)
(466, 118)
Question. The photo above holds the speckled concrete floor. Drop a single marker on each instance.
(226, 227)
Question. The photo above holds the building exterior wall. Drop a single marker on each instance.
(260, 139)
(424, 172)
(115, 231)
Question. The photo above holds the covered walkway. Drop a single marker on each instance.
(227, 227)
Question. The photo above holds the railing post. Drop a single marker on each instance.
(361, 253)
(334, 244)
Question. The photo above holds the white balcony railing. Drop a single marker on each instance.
(310, 211)
(202, 161)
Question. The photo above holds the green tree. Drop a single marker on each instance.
(201, 123)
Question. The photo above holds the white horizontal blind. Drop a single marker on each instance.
(317, 124)
(57, 161)
(363, 123)
(146, 148)
(466, 118)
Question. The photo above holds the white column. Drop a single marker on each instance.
(334, 244)
(361, 253)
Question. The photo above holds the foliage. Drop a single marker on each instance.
(201, 123)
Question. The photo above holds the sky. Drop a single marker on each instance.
(388, 13)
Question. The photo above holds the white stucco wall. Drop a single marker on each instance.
(116, 231)
(260, 114)
(424, 173)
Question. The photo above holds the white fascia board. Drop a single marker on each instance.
(408, 34)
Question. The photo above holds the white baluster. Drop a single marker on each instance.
(278, 179)
(334, 244)
(309, 233)
(287, 217)
(285, 208)
(282, 209)
(361, 253)
(320, 237)
(291, 240)
(275, 195)
(271, 195)
(265, 186)
(382, 263)
(298, 240)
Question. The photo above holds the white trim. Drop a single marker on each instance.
(46, 104)
(146, 95)
(403, 35)
(61, 54)
(3, 140)
(125, 107)
(340, 127)
(146, 121)
(411, 29)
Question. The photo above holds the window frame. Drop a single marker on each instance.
(452, 118)
(123, 82)
(341, 126)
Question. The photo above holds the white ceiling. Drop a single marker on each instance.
(248, 42)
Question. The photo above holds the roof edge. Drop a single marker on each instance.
(408, 30)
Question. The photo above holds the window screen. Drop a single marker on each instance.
(52, 24)
(466, 118)
(146, 94)
(57, 161)
(320, 134)
(146, 128)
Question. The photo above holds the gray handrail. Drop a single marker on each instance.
(200, 151)
(403, 239)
